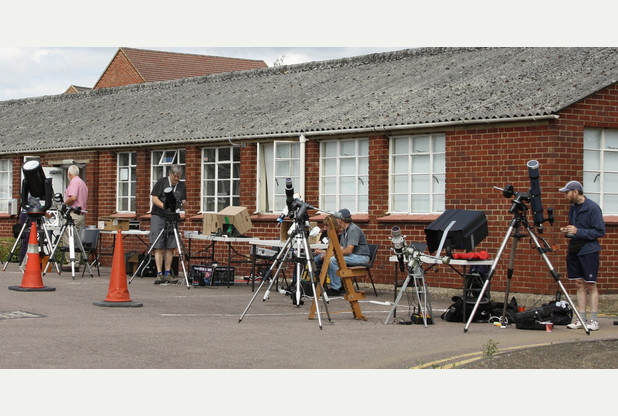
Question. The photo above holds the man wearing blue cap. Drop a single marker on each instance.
(354, 248)
(585, 227)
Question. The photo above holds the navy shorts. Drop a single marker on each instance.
(167, 239)
(583, 267)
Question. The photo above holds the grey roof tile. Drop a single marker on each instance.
(410, 87)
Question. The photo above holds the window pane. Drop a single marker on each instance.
(400, 184)
(438, 203)
(348, 148)
(283, 150)
(224, 154)
(610, 205)
(363, 166)
(420, 144)
(330, 186)
(592, 182)
(420, 203)
(363, 203)
(363, 147)
(592, 138)
(363, 185)
(439, 163)
(592, 160)
(611, 139)
(348, 202)
(420, 184)
(401, 145)
(347, 185)
(420, 164)
(611, 161)
(330, 149)
(400, 203)
(400, 164)
(439, 143)
(209, 155)
(348, 167)
(610, 183)
(282, 168)
(439, 184)
(330, 167)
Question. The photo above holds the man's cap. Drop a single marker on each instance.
(345, 213)
(572, 186)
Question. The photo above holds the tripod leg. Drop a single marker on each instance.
(399, 295)
(556, 277)
(83, 251)
(14, 246)
(180, 256)
(49, 246)
(309, 264)
(267, 273)
(58, 242)
(491, 271)
(509, 276)
(142, 265)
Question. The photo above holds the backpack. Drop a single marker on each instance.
(455, 312)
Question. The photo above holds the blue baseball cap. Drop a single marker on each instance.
(345, 213)
(572, 186)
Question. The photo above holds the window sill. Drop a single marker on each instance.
(610, 219)
(409, 218)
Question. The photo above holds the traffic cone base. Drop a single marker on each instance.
(32, 280)
(32, 289)
(118, 293)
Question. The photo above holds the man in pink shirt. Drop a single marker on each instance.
(75, 196)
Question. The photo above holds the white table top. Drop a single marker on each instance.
(279, 243)
(453, 262)
(195, 236)
(128, 232)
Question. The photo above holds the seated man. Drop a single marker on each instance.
(354, 248)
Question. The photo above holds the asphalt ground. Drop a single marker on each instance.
(177, 328)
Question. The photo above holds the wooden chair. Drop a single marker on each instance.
(347, 274)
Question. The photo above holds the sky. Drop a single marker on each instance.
(37, 71)
(47, 46)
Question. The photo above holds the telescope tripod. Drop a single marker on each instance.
(171, 226)
(69, 226)
(44, 240)
(299, 244)
(519, 220)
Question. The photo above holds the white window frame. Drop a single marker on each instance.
(434, 191)
(159, 165)
(126, 175)
(273, 167)
(217, 198)
(355, 196)
(6, 183)
(600, 179)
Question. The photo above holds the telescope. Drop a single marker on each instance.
(35, 184)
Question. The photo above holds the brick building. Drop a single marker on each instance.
(395, 137)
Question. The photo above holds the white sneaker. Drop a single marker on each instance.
(575, 325)
(593, 325)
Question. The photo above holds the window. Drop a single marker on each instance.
(276, 162)
(161, 162)
(417, 174)
(6, 183)
(220, 178)
(344, 178)
(601, 168)
(126, 177)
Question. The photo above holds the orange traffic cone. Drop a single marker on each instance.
(33, 280)
(118, 293)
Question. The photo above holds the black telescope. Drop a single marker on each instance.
(170, 203)
(535, 194)
(37, 185)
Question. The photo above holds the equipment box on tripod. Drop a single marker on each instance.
(207, 275)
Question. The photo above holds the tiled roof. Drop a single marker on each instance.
(378, 91)
(161, 66)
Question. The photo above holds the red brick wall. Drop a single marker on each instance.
(119, 72)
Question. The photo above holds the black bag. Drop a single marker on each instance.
(531, 319)
(455, 312)
(149, 267)
(561, 313)
(511, 310)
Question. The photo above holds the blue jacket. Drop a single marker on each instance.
(588, 219)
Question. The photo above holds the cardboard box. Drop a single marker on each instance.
(285, 227)
(236, 216)
(113, 224)
(210, 224)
